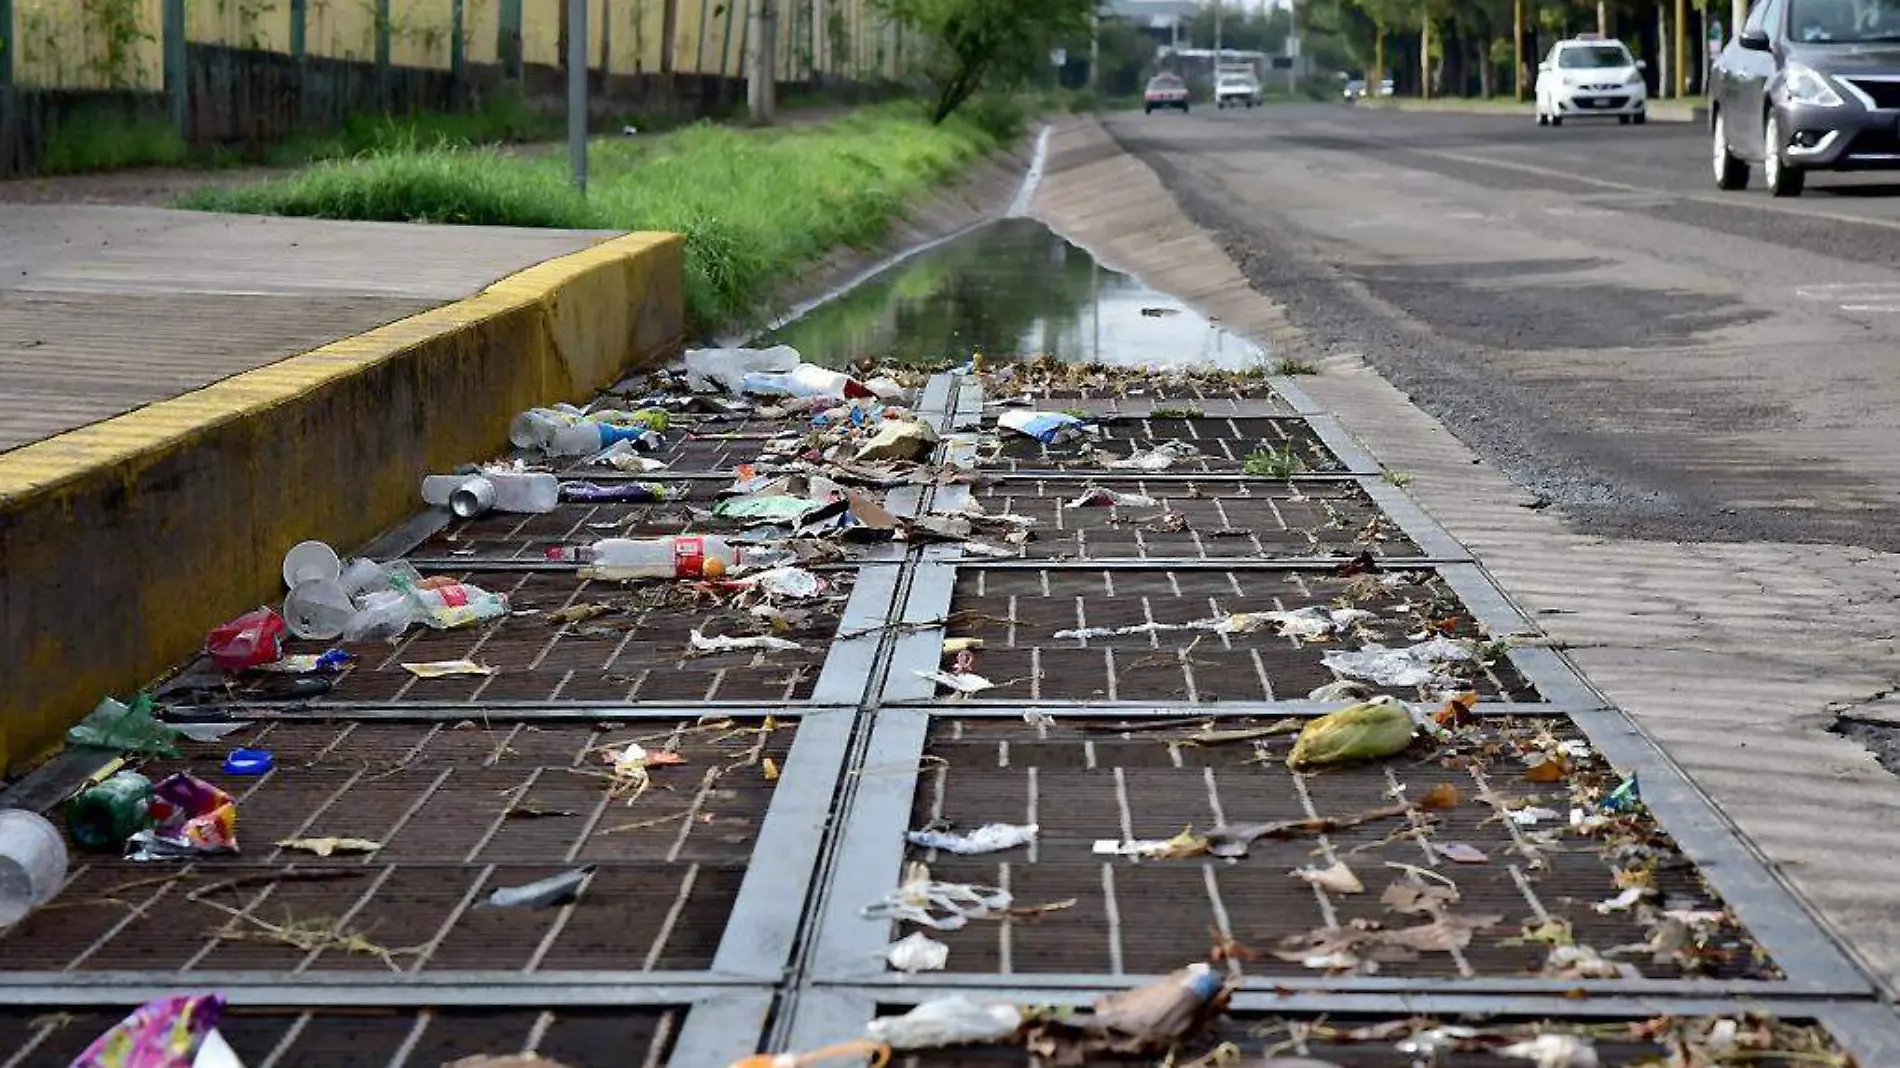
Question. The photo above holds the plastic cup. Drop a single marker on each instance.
(309, 560)
(32, 863)
(472, 498)
(364, 576)
(318, 609)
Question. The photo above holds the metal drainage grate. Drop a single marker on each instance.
(1085, 784)
(459, 812)
(369, 1037)
(1201, 518)
(1223, 445)
(1018, 611)
(636, 653)
(1363, 1041)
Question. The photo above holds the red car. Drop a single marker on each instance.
(1164, 91)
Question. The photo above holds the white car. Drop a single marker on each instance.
(1236, 90)
(1590, 77)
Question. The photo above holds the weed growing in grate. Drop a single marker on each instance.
(1287, 365)
(1177, 411)
(1273, 462)
(1398, 478)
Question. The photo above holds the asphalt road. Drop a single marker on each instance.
(1655, 357)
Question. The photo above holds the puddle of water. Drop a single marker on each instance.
(1012, 288)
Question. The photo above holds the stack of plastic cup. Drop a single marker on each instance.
(319, 605)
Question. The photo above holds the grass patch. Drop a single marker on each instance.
(1287, 366)
(110, 141)
(757, 206)
(504, 118)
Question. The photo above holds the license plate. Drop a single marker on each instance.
(1589, 103)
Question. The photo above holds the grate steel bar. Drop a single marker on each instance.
(851, 660)
(761, 930)
(373, 989)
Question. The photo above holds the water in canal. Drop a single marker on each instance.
(1012, 288)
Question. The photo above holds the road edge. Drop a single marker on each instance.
(121, 538)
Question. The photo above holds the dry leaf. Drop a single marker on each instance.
(1461, 853)
(1442, 935)
(1547, 767)
(662, 757)
(1444, 795)
(324, 847)
(438, 669)
(1414, 898)
(1457, 711)
(1337, 879)
(578, 613)
(769, 768)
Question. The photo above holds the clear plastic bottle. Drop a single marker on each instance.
(567, 432)
(680, 556)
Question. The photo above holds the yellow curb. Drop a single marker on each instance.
(123, 542)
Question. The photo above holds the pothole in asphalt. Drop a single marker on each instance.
(1880, 740)
(1007, 288)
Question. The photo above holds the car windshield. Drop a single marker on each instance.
(1165, 81)
(1844, 21)
(1233, 82)
(1591, 56)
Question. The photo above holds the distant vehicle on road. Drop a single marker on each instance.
(1386, 87)
(1808, 85)
(1236, 90)
(1164, 91)
(1355, 90)
(1590, 77)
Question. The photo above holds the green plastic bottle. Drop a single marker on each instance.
(102, 817)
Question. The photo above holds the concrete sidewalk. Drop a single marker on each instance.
(107, 309)
(1726, 654)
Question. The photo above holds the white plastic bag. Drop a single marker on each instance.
(725, 369)
(952, 1021)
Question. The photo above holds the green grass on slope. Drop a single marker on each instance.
(756, 206)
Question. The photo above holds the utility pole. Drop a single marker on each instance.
(1662, 49)
(1293, 46)
(1095, 48)
(1738, 14)
(1220, 10)
(1682, 54)
(577, 91)
(1425, 56)
(1517, 49)
(762, 90)
(1603, 18)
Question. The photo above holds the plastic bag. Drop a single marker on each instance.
(725, 369)
(191, 818)
(250, 640)
(1373, 729)
(942, 906)
(112, 725)
(989, 838)
(951, 1021)
(1416, 665)
(1050, 428)
(167, 1033)
(917, 952)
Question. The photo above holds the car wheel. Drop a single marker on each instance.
(1556, 120)
(1146, 110)
(1730, 173)
(1642, 118)
(1782, 180)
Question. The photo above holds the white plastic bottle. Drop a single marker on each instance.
(805, 380)
(679, 556)
(522, 492)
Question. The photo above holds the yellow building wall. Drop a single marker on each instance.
(261, 24)
(342, 30)
(60, 44)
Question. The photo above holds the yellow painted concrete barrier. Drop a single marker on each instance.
(123, 542)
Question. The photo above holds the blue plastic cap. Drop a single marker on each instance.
(249, 762)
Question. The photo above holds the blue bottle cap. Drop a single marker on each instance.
(249, 762)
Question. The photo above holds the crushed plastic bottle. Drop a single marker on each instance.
(805, 380)
(566, 431)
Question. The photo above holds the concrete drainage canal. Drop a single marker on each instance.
(986, 703)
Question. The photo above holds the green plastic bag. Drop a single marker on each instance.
(129, 730)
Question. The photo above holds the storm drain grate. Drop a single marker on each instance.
(1202, 518)
(1043, 632)
(1351, 1041)
(1502, 842)
(1221, 445)
(458, 813)
(636, 652)
(368, 1037)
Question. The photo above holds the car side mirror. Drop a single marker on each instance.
(1754, 40)
(1642, 64)
(1543, 66)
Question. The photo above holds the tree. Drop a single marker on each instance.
(974, 43)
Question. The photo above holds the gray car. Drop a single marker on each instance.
(1808, 85)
